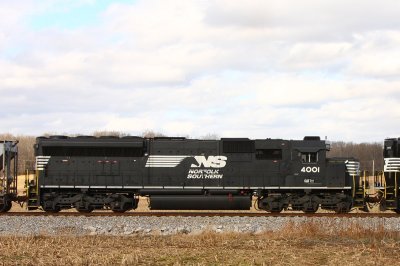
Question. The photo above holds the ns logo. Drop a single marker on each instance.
(210, 162)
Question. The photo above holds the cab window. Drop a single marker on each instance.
(269, 154)
(309, 157)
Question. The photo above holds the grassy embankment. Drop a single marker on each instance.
(307, 245)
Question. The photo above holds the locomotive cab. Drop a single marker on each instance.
(391, 156)
(311, 180)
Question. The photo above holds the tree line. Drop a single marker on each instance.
(370, 155)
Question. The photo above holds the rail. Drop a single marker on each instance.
(206, 214)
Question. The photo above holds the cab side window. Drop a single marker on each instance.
(309, 157)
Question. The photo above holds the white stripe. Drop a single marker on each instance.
(165, 160)
(172, 163)
(41, 162)
(169, 156)
(161, 165)
(315, 187)
(191, 187)
(392, 165)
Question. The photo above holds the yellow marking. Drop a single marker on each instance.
(364, 183)
(395, 184)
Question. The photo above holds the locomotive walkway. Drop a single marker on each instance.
(205, 214)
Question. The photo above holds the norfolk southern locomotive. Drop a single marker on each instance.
(90, 173)
(391, 154)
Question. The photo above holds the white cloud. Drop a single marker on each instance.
(257, 69)
(316, 55)
(377, 55)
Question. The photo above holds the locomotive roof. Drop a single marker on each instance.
(315, 138)
(110, 139)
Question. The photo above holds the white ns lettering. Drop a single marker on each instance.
(211, 161)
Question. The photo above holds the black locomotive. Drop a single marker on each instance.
(90, 173)
(390, 188)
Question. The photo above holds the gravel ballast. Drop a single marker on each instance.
(81, 225)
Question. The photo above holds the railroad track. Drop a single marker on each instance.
(206, 214)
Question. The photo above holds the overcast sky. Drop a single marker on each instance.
(258, 69)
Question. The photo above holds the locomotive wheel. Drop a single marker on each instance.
(119, 211)
(343, 207)
(310, 207)
(274, 209)
(52, 210)
(48, 207)
(6, 206)
(120, 207)
(83, 207)
(382, 205)
(297, 208)
(88, 210)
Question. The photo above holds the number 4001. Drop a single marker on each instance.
(310, 169)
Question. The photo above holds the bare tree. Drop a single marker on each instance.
(26, 154)
(210, 136)
(369, 154)
(152, 134)
(109, 133)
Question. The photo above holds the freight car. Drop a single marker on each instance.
(8, 173)
(90, 173)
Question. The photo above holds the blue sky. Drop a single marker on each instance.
(64, 15)
(260, 69)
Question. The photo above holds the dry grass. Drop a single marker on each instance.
(307, 245)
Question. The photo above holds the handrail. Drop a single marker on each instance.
(364, 182)
(27, 183)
